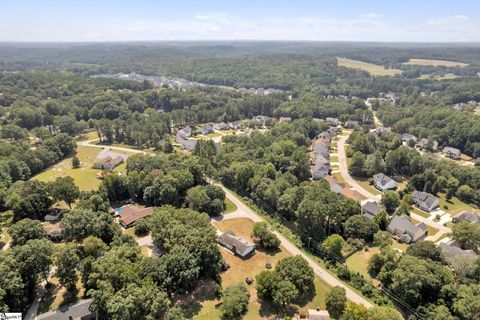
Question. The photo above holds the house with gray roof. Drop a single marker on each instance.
(405, 231)
(320, 171)
(452, 153)
(184, 133)
(454, 254)
(425, 201)
(108, 159)
(406, 137)
(80, 310)
(220, 126)
(469, 216)
(371, 208)
(383, 182)
(332, 121)
(350, 124)
(424, 144)
(206, 129)
(237, 245)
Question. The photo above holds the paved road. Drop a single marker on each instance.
(342, 157)
(124, 149)
(245, 211)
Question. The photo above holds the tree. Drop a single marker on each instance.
(24, 230)
(285, 292)
(333, 246)
(382, 239)
(425, 250)
(29, 199)
(175, 313)
(296, 270)
(64, 189)
(67, 262)
(81, 223)
(266, 238)
(335, 301)
(235, 301)
(360, 227)
(34, 259)
(382, 313)
(209, 199)
(12, 287)
(467, 303)
(390, 200)
(467, 234)
(75, 162)
(357, 167)
(265, 284)
(381, 219)
(93, 247)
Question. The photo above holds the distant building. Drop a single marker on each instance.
(405, 231)
(383, 182)
(452, 153)
(129, 214)
(381, 130)
(54, 231)
(454, 254)
(206, 129)
(425, 201)
(332, 121)
(237, 245)
(371, 208)
(235, 125)
(184, 133)
(317, 314)
(469, 216)
(424, 144)
(406, 137)
(80, 310)
(220, 126)
(109, 160)
(285, 119)
(320, 171)
(350, 124)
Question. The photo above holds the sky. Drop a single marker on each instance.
(334, 20)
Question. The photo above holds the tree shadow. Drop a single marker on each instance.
(191, 303)
(48, 297)
(269, 310)
(69, 296)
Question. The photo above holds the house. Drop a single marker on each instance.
(206, 129)
(237, 245)
(53, 216)
(235, 125)
(351, 124)
(453, 254)
(383, 182)
(187, 144)
(184, 133)
(332, 121)
(334, 186)
(452, 153)
(108, 159)
(333, 131)
(371, 208)
(406, 137)
(53, 231)
(424, 144)
(425, 201)
(469, 216)
(129, 214)
(402, 228)
(317, 314)
(381, 130)
(285, 119)
(325, 135)
(320, 171)
(80, 310)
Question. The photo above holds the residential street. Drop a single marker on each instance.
(319, 271)
(124, 149)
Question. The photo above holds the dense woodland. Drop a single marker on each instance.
(48, 99)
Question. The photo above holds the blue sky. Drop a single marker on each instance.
(129, 20)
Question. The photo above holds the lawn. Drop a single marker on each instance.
(431, 230)
(338, 177)
(363, 182)
(56, 296)
(230, 206)
(435, 63)
(454, 205)
(400, 246)
(373, 69)
(421, 213)
(333, 158)
(213, 135)
(358, 261)
(204, 305)
(85, 176)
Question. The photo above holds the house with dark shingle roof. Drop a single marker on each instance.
(469, 216)
(383, 182)
(423, 144)
(405, 231)
(425, 201)
(237, 245)
(350, 124)
(452, 153)
(454, 254)
(320, 171)
(332, 121)
(406, 137)
(371, 208)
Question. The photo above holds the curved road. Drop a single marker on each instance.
(100, 146)
(294, 250)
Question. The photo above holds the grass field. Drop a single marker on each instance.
(85, 176)
(358, 261)
(231, 207)
(363, 182)
(435, 63)
(447, 76)
(373, 69)
(204, 306)
(454, 205)
(421, 213)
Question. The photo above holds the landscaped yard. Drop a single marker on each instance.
(431, 230)
(363, 182)
(230, 207)
(371, 68)
(358, 261)
(205, 306)
(85, 176)
(454, 205)
(421, 213)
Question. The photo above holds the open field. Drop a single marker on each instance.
(85, 176)
(373, 69)
(205, 306)
(358, 261)
(435, 63)
(447, 76)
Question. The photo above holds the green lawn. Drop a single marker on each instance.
(358, 261)
(454, 205)
(401, 246)
(213, 135)
(338, 177)
(431, 230)
(333, 158)
(421, 213)
(85, 176)
(373, 69)
(365, 185)
(230, 206)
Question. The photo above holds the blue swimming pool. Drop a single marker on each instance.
(118, 210)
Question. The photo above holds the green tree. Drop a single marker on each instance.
(467, 234)
(266, 238)
(296, 270)
(381, 219)
(67, 261)
(80, 223)
(382, 239)
(34, 259)
(425, 250)
(75, 162)
(285, 292)
(235, 301)
(360, 227)
(357, 167)
(93, 247)
(65, 189)
(335, 301)
(24, 230)
(467, 302)
(390, 200)
(333, 245)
